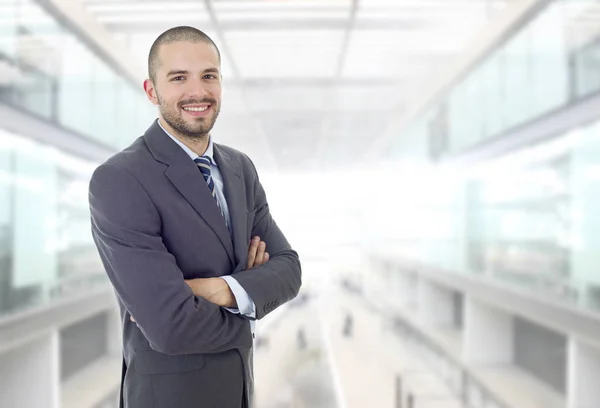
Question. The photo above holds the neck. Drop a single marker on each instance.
(196, 144)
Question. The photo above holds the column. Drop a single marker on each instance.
(583, 375)
(488, 334)
(435, 304)
(30, 374)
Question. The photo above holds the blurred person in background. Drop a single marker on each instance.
(172, 217)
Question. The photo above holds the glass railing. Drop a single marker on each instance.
(46, 248)
(548, 63)
(48, 71)
(457, 377)
(528, 219)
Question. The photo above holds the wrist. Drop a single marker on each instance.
(193, 284)
(227, 299)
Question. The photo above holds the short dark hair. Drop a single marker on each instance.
(175, 34)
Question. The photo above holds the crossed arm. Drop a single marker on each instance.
(216, 290)
(126, 227)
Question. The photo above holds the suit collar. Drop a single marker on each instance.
(161, 146)
(193, 155)
(235, 194)
(184, 175)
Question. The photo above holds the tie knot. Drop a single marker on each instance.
(203, 160)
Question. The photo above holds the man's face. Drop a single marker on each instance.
(187, 87)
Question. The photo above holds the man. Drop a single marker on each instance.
(172, 217)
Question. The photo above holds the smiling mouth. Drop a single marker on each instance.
(196, 108)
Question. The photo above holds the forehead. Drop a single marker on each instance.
(188, 55)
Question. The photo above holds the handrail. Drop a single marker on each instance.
(416, 336)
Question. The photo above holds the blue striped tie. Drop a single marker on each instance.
(204, 163)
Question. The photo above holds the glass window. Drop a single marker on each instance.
(34, 214)
(75, 92)
(550, 65)
(473, 98)
(587, 69)
(8, 27)
(457, 105)
(6, 220)
(28, 57)
(582, 29)
(46, 246)
(77, 255)
(492, 84)
(146, 114)
(517, 78)
(585, 189)
(524, 78)
(104, 103)
(49, 71)
(35, 92)
(128, 117)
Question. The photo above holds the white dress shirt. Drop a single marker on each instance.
(245, 305)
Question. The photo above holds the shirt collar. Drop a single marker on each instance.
(208, 153)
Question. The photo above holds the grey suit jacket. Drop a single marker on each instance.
(155, 224)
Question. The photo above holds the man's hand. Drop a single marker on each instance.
(257, 254)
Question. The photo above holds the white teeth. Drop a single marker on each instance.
(202, 109)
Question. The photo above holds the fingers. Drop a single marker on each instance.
(132, 319)
(260, 254)
(252, 252)
(266, 257)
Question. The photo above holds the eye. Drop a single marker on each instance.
(178, 78)
(210, 76)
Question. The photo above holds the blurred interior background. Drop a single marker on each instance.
(436, 163)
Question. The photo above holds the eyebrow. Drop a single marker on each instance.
(184, 72)
(177, 72)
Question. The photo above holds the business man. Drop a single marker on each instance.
(172, 217)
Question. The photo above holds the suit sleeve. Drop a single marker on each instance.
(278, 280)
(126, 228)
(245, 305)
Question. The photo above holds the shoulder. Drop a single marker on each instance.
(134, 159)
(237, 156)
(130, 157)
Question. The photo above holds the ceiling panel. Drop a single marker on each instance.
(385, 54)
(121, 7)
(278, 54)
(286, 98)
(290, 104)
(270, 5)
(232, 17)
(346, 125)
(368, 98)
(148, 12)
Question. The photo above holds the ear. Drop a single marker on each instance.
(150, 91)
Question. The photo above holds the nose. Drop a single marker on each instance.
(197, 90)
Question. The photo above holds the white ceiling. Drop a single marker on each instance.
(309, 83)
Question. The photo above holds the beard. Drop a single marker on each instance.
(197, 130)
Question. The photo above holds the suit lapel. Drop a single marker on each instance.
(186, 178)
(236, 200)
